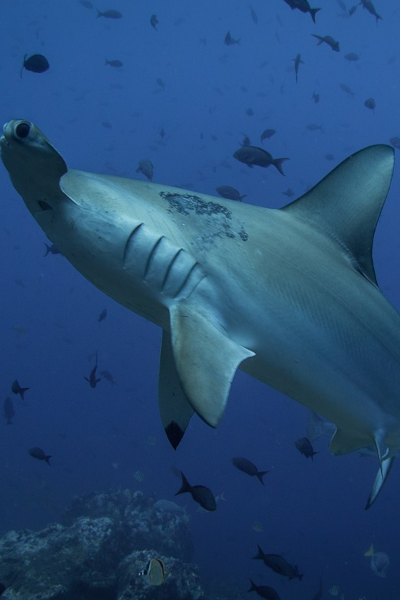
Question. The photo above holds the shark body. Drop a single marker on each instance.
(289, 296)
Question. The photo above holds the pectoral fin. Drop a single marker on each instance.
(206, 360)
(175, 409)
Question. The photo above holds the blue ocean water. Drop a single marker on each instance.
(106, 119)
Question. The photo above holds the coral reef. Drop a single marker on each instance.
(97, 552)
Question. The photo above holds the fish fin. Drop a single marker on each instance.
(185, 487)
(313, 12)
(260, 475)
(205, 359)
(319, 38)
(277, 162)
(381, 476)
(260, 554)
(175, 409)
(347, 203)
(370, 551)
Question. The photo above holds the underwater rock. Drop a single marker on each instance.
(98, 552)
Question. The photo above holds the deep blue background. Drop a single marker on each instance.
(312, 512)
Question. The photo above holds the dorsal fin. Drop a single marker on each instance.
(347, 203)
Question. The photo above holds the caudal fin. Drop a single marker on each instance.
(313, 12)
(277, 162)
(260, 475)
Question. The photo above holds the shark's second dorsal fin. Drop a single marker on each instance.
(206, 360)
(347, 203)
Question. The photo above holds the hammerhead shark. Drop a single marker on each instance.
(287, 295)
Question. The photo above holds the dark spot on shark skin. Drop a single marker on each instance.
(187, 203)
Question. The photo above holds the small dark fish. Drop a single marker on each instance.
(114, 63)
(106, 124)
(289, 193)
(371, 9)
(246, 466)
(264, 591)
(252, 155)
(395, 141)
(314, 127)
(345, 88)
(253, 15)
(160, 83)
(370, 103)
(297, 62)
(230, 193)
(102, 315)
(200, 494)
(51, 249)
(154, 21)
(17, 389)
(162, 133)
(266, 134)
(304, 446)
(2, 588)
(229, 40)
(327, 39)
(39, 454)
(146, 168)
(86, 3)
(108, 377)
(9, 412)
(37, 63)
(315, 97)
(109, 14)
(351, 57)
(329, 157)
(92, 380)
(303, 6)
(250, 112)
(278, 564)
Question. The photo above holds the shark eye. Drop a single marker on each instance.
(22, 130)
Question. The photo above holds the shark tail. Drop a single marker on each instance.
(313, 12)
(370, 551)
(277, 162)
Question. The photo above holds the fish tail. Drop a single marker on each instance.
(260, 554)
(253, 587)
(48, 249)
(313, 12)
(319, 38)
(23, 64)
(47, 459)
(260, 476)
(99, 13)
(185, 487)
(22, 392)
(277, 162)
(370, 551)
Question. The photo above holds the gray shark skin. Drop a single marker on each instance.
(289, 296)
